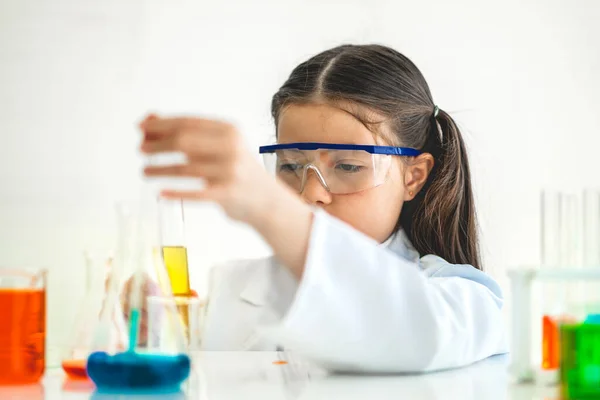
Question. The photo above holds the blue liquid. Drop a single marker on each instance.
(593, 319)
(133, 328)
(130, 371)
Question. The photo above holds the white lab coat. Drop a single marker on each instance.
(360, 306)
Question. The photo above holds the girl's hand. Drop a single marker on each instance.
(215, 152)
(234, 179)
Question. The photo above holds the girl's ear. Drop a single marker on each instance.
(416, 174)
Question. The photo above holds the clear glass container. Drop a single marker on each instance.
(98, 269)
(562, 291)
(173, 247)
(153, 360)
(22, 326)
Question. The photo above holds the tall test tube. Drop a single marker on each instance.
(173, 246)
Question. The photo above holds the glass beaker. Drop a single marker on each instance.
(580, 346)
(187, 311)
(22, 325)
(32, 391)
(81, 344)
(172, 241)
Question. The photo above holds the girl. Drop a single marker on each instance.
(371, 219)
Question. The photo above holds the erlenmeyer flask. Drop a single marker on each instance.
(154, 361)
(86, 325)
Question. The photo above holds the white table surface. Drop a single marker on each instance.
(250, 375)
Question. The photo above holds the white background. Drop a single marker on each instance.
(521, 78)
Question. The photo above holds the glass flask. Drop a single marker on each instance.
(98, 275)
(155, 361)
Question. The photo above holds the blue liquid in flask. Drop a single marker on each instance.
(134, 372)
(130, 371)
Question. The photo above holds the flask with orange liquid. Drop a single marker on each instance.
(81, 344)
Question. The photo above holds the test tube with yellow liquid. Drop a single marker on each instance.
(173, 248)
(174, 252)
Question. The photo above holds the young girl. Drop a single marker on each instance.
(371, 219)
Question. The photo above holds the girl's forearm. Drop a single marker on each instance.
(285, 221)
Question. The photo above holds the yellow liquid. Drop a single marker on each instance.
(184, 312)
(176, 262)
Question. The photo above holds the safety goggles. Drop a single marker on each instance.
(340, 168)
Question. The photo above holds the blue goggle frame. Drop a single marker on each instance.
(387, 150)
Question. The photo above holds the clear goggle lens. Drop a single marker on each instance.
(339, 171)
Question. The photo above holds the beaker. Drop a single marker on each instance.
(164, 365)
(81, 343)
(580, 346)
(189, 309)
(32, 391)
(22, 325)
(172, 241)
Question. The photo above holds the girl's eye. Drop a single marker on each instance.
(289, 167)
(349, 168)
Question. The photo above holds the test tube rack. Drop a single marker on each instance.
(521, 283)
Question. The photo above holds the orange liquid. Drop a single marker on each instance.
(75, 369)
(550, 343)
(78, 385)
(22, 335)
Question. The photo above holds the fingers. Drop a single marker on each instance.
(214, 151)
(197, 138)
(205, 170)
(193, 143)
(169, 126)
(149, 117)
(211, 194)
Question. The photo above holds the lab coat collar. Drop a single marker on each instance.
(273, 280)
(400, 244)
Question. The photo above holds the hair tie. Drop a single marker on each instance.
(436, 131)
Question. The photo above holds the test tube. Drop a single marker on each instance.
(591, 248)
(560, 235)
(591, 228)
(550, 223)
(570, 232)
(550, 228)
(173, 247)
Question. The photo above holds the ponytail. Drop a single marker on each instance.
(441, 219)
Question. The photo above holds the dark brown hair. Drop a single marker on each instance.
(441, 219)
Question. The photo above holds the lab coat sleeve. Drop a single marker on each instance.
(359, 307)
